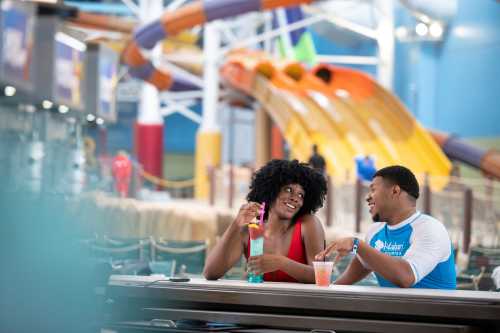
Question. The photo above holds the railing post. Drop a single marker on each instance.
(329, 201)
(357, 203)
(427, 195)
(489, 191)
(138, 181)
(211, 175)
(231, 186)
(468, 206)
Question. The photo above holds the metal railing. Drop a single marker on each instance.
(468, 207)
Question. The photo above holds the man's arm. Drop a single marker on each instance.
(393, 269)
(354, 272)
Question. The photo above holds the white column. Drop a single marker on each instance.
(385, 39)
(149, 106)
(149, 130)
(208, 138)
(211, 45)
(285, 35)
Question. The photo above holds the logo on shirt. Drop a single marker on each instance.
(393, 249)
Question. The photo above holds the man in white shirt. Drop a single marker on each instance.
(408, 249)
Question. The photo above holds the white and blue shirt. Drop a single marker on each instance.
(424, 243)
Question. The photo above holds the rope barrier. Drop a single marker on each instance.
(176, 250)
(165, 182)
(124, 249)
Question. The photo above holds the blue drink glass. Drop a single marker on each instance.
(256, 248)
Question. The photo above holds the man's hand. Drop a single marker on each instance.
(342, 246)
(264, 263)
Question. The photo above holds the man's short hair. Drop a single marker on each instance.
(401, 176)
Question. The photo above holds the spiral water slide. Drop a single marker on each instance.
(347, 115)
(173, 22)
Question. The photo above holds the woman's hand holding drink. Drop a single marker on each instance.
(256, 231)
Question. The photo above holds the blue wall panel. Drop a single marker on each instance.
(453, 85)
(469, 72)
(121, 134)
(180, 133)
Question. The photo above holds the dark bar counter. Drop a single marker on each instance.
(144, 303)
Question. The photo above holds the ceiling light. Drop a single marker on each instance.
(9, 91)
(46, 104)
(63, 109)
(421, 29)
(436, 30)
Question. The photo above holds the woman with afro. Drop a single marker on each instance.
(292, 193)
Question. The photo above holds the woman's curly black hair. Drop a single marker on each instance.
(268, 181)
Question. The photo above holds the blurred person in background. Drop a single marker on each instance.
(122, 172)
(404, 247)
(316, 161)
(365, 168)
(292, 193)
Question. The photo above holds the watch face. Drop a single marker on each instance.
(355, 245)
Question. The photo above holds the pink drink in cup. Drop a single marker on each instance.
(323, 272)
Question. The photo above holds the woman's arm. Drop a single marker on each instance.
(314, 240)
(229, 248)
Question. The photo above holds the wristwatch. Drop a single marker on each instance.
(355, 245)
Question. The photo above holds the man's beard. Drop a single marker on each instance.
(376, 218)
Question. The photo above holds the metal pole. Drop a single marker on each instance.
(231, 157)
(468, 206)
(385, 40)
(427, 195)
(231, 187)
(489, 191)
(329, 201)
(357, 202)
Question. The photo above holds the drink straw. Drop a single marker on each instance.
(324, 248)
(262, 210)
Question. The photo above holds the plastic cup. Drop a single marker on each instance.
(323, 272)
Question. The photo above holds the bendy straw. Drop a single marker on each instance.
(262, 211)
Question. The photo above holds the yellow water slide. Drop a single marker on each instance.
(397, 131)
(344, 112)
(302, 122)
(252, 75)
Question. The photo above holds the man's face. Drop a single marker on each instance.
(379, 199)
(289, 201)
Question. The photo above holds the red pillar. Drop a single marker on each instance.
(148, 147)
(277, 142)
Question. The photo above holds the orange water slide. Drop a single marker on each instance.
(344, 112)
